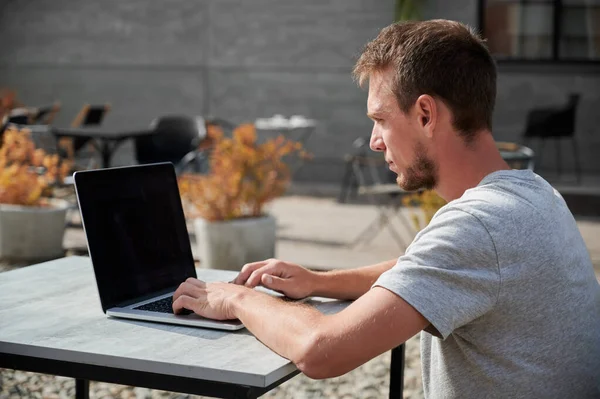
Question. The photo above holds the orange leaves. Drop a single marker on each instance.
(428, 201)
(8, 101)
(245, 135)
(25, 172)
(244, 175)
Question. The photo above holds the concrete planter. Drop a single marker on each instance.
(231, 244)
(29, 233)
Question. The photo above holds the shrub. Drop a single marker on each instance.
(26, 173)
(244, 175)
(428, 201)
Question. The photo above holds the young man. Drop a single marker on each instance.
(500, 281)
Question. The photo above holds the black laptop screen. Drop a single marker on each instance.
(136, 231)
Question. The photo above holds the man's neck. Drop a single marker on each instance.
(462, 167)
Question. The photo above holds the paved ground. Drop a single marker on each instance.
(318, 233)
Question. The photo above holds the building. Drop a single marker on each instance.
(241, 60)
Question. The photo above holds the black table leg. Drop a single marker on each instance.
(106, 154)
(82, 389)
(397, 372)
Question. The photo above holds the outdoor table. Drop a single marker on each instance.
(106, 141)
(51, 321)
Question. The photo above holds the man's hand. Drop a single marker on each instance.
(290, 279)
(212, 300)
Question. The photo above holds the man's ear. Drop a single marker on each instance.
(426, 110)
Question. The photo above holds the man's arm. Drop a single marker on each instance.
(324, 346)
(349, 283)
(297, 282)
(321, 346)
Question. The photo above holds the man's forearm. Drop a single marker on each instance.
(349, 283)
(288, 329)
(324, 346)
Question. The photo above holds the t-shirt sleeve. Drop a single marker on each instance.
(449, 273)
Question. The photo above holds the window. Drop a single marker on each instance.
(547, 30)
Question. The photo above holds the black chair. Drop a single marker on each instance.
(177, 139)
(367, 175)
(20, 116)
(554, 123)
(349, 185)
(89, 115)
(45, 115)
(350, 180)
(378, 185)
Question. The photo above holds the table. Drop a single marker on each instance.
(106, 141)
(51, 322)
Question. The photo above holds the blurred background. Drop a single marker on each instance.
(118, 65)
(243, 60)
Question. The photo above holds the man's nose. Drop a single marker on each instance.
(376, 142)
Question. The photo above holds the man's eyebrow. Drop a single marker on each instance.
(376, 113)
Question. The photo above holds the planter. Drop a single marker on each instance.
(29, 233)
(231, 244)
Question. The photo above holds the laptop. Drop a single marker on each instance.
(138, 242)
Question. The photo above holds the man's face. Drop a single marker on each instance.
(399, 136)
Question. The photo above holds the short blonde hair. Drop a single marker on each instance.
(442, 58)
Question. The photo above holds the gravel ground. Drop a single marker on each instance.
(371, 380)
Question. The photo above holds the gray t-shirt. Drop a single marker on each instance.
(505, 279)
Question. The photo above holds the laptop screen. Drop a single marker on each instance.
(136, 231)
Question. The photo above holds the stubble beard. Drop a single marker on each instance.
(422, 174)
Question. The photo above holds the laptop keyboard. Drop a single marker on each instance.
(164, 305)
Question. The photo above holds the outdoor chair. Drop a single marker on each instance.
(367, 176)
(20, 116)
(554, 123)
(349, 185)
(45, 115)
(177, 139)
(89, 115)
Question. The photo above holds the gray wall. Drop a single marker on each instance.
(241, 60)
(230, 58)
(523, 87)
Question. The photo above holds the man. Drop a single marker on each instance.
(500, 281)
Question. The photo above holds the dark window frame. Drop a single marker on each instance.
(556, 31)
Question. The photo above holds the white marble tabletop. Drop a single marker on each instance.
(52, 310)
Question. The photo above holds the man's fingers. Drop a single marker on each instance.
(184, 301)
(190, 289)
(196, 282)
(273, 268)
(247, 270)
(273, 282)
(256, 276)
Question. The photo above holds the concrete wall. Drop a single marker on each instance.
(241, 60)
(230, 58)
(523, 87)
